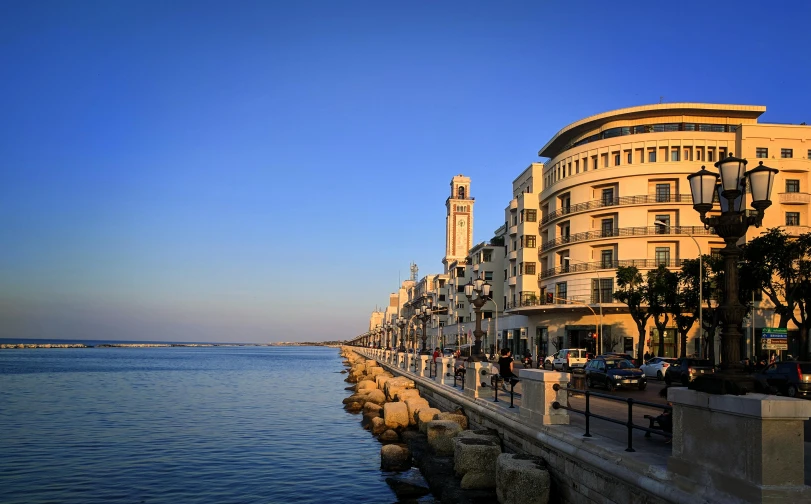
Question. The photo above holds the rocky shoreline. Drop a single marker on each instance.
(7, 346)
(435, 456)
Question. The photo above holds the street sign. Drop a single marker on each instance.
(774, 338)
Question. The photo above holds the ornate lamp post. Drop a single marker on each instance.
(424, 314)
(482, 291)
(401, 323)
(731, 225)
(388, 327)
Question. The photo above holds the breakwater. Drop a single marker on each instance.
(459, 464)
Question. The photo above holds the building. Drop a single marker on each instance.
(614, 192)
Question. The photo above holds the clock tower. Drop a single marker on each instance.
(458, 221)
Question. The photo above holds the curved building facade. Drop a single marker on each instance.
(614, 192)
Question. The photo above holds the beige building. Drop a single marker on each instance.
(615, 192)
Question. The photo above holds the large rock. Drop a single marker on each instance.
(440, 435)
(376, 396)
(372, 409)
(395, 415)
(378, 426)
(361, 398)
(487, 434)
(371, 363)
(389, 436)
(393, 385)
(425, 415)
(404, 394)
(373, 371)
(395, 457)
(453, 417)
(521, 479)
(475, 460)
(381, 380)
(366, 385)
(415, 404)
(409, 485)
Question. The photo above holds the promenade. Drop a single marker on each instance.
(646, 467)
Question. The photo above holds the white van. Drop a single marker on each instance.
(569, 358)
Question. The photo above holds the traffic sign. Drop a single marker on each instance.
(774, 338)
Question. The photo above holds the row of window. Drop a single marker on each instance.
(651, 154)
(654, 128)
(763, 152)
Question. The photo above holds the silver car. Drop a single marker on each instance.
(657, 367)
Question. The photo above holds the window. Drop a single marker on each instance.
(460, 288)
(487, 256)
(786, 153)
(792, 186)
(442, 297)
(608, 197)
(663, 255)
(792, 218)
(616, 159)
(531, 215)
(651, 156)
(487, 314)
(577, 166)
(762, 152)
(460, 306)
(662, 193)
(529, 268)
(607, 227)
(674, 154)
(529, 241)
(698, 154)
(602, 290)
(710, 155)
(809, 153)
(521, 268)
(560, 291)
(488, 275)
(687, 154)
(605, 160)
(662, 229)
(630, 157)
(570, 169)
(607, 259)
(594, 162)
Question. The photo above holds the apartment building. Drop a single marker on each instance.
(614, 192)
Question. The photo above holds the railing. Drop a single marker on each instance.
(794, 197)
(629, 423)
(614, 264)
(629, 231)
(618, 201)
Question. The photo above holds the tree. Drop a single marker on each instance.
(631, 290)
(688, 303)
(662, 300)
(779, 265)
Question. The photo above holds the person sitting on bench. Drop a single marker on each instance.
(505, 368)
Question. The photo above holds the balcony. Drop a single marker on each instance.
(629, 231)
(794, 198)
(513, 205)
(797, 230)
(514, 230)
(512, 256)
(512, 280)
(645, 199)
(608, 265)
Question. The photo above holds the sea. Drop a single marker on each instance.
(224, 424)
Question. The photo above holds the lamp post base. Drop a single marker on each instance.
(728, 381)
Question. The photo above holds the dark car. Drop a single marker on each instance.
(613, 373)
(788, 378)
(684, 370)
(618, 355)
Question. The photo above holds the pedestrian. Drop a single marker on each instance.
(435, 356)
(505, 368)
(647, 356)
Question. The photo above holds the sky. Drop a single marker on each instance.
(267, 171)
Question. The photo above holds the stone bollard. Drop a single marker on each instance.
(538, 394)
(410, 362)
(425, 361)
(401, 360)
(395, 415)
(521, 479)
(477, 373)
(387, 356)
(442, 369)
(749, 447)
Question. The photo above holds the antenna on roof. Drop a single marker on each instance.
(661, 98)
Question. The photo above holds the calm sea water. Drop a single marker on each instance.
(182, 425)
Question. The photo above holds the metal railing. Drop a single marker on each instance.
(629, 423)
(613, 264)
(642, 199)
(628, 231)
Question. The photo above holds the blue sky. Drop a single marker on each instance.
(266, 171)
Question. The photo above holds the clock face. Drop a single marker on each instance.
(461, 223)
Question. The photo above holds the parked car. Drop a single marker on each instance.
(657, 367)
(618, 355)
(788, 378)
(684, 370)
(568, 358)
(614, 373)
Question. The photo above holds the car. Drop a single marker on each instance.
(789, 378)
(657, 367)
(613, 373)
(684, 370)
(568, 358)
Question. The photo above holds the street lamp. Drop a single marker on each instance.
(600, 303)
(730, 225)
(401, 323)
(482, 291)
(424, 314)
(388, 335)
(700, 286)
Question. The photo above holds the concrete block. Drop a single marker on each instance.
(521, 479)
